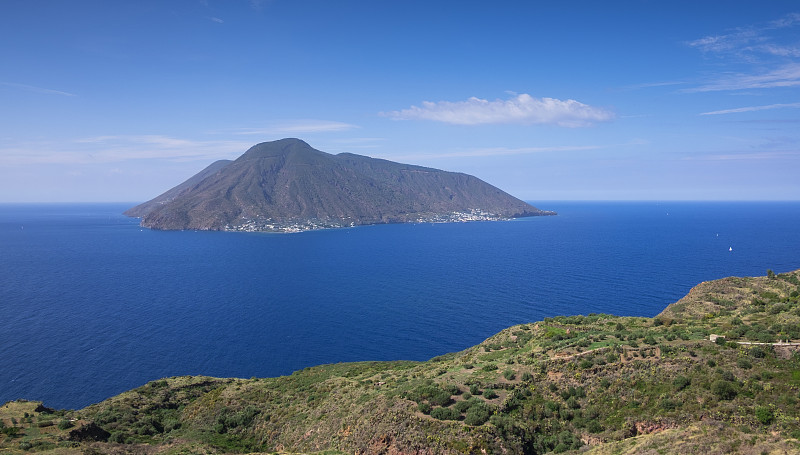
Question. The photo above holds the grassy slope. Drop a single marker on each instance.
(597, 384)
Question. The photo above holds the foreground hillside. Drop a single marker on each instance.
(596, 384)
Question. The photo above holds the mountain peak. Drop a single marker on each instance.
(279, 148)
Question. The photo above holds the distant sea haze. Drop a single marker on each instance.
(94, 305)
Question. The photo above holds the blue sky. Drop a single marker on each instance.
(635, 100)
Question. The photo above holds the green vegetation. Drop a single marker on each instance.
(584, 384)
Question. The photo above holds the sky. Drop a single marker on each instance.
(118, 101)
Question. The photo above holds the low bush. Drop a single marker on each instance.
(65, 424)
(764, 415)
(445, 414)
(424, 408)
(724, 390)
(681, 382)
(478, 414)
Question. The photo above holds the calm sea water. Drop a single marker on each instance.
(93, 305)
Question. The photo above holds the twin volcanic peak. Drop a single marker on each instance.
(287, 186)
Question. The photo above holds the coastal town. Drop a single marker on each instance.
(292, 226)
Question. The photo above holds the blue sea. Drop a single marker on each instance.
(92, 305)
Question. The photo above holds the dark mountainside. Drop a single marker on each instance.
(711, 374)
(287, 185)
(143, 209)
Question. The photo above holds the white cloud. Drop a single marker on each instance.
(521, 109)
(217, 20)
(32, 88)
(752, 108)
(297, 127)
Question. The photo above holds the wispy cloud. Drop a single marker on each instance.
(784, 76)
(753, 42)
(653, 84)
(297, 127)
(769, 50)
(217, 20)
(753, 108)
(521, 109)
(32, 88)
(114, 149)
(494, 151)
(257, 4)
(747, 156)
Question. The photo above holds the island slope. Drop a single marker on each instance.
(287, 185)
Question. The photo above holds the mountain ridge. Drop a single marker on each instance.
(287, 186)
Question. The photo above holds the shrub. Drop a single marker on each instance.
(509, 374)
(424, 408)
(572, 403)
(441, 398)
(474, 389)
(478, 414)
(594, 427)
(445, 414)
(758, 352)
(489, 394)
(681, 382)
(668, 404)
(744, 363)
(64, 424)
(764, 415)
(452, 389)
(727, 375)
(10, 431)
(725, 390)
(118, 437)
(463, 406)
(551, 407)
(526, 377)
